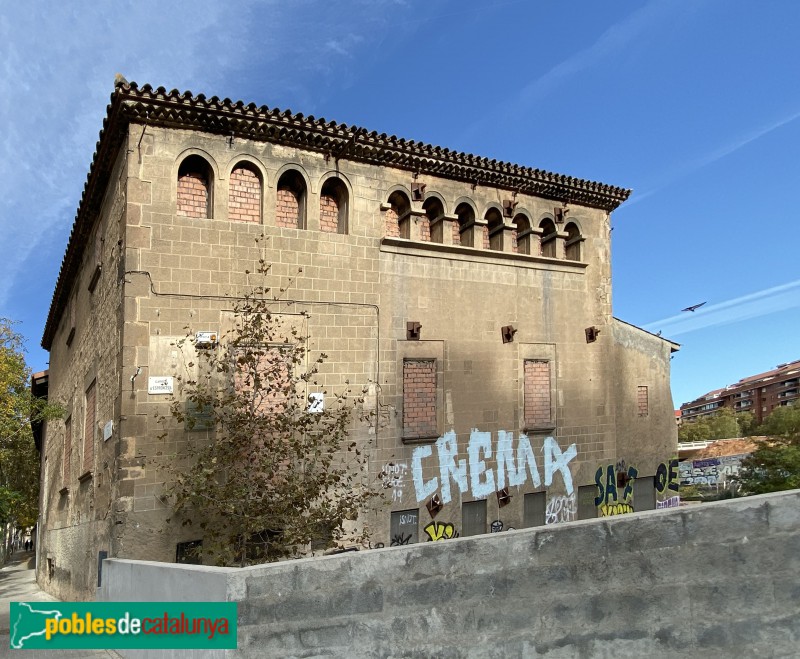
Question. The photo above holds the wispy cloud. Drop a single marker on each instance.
(753, 305)
(609, 43)
(734, 145)
(57, 66)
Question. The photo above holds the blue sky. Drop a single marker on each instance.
(695, 105)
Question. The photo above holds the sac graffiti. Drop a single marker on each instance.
(615, 491)
(514, 465)
(610, 509)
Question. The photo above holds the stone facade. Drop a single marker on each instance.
(377, 235)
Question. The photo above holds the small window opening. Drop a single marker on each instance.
(493, 232)
(466, 222)
(397, 220)
(431, 229)
(548, 228)
(573, 243)
(521, 235)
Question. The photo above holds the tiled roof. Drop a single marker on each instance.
(158, 107)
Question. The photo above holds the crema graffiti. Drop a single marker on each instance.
(514, 465)
(610, 500)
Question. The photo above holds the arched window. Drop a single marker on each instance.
(333, 206)
(433, 211)
(548, 228)
(521, 236)
(244, 197)
(290, 209)
(493, 232)
(466, 222)
(573, 243)
(194, 188)
(397, 220)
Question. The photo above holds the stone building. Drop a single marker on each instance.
(471, 297)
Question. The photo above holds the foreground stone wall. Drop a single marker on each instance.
(717, 580)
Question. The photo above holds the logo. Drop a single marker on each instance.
(122, 625)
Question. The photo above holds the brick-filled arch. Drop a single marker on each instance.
(194, 187)
(245, 193)
(290, 208)
(333, 206)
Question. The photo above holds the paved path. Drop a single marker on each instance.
(18, 583)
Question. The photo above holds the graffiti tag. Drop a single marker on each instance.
(440, 531)
(561, 509)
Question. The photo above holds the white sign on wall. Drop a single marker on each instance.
(108, 429)
(159, 385)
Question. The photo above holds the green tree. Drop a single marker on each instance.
(273, 470)
(19, 460)
(724, 424)
(775, 464)
(748, 425)
(696, 431)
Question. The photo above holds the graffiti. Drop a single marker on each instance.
(711, 471)
(400, 539)
(513, 467)
(609, 499)
(667, 476)
(393, 476)
(609, 509)
(561, 509)
(496, 526)
(440, 531)
(672, 502)
(666, 482)
(608, 491)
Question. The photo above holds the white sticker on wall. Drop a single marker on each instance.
(316, 402)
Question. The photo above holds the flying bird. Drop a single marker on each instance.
(693, 307)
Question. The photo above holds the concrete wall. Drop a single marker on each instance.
(717, 580)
